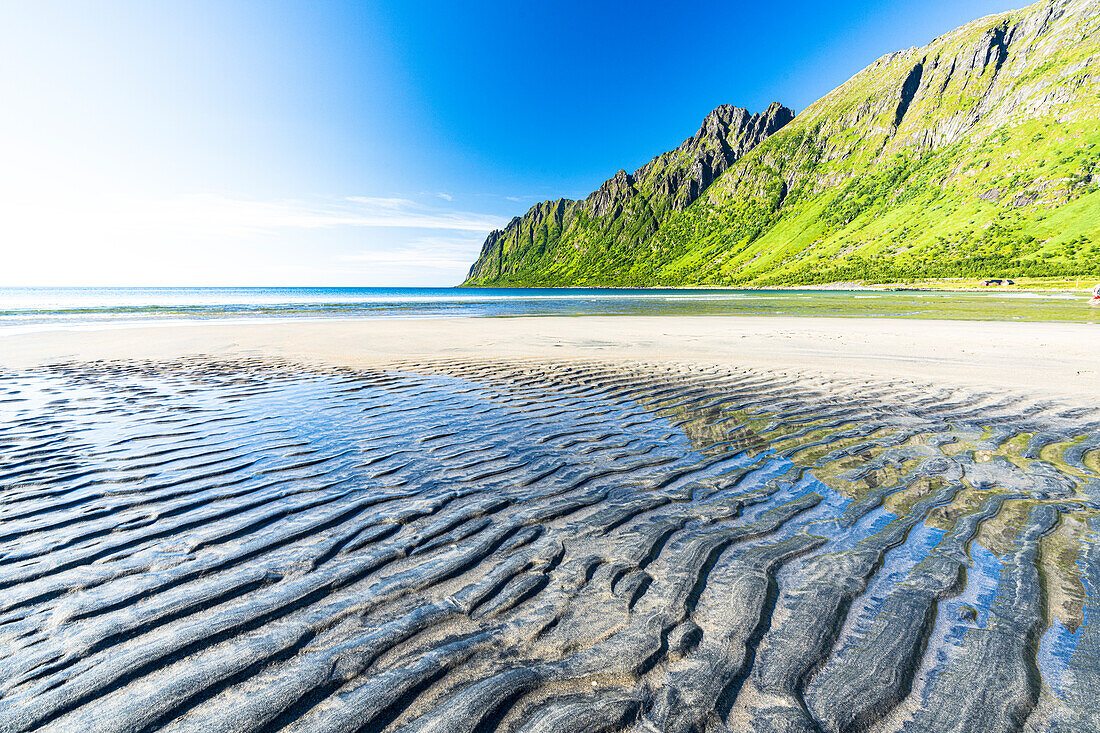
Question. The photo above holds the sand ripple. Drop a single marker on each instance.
(470, 546)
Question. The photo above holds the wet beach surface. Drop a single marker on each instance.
(533, 546)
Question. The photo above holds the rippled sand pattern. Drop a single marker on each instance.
(531, 547)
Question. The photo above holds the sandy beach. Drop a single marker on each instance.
(389, 367)
(1035, 358)
(689, 525)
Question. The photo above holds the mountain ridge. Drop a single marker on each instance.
(973, 155)
(672, 180)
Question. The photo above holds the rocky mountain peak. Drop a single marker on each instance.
(669, 182)
(680, 176)
(609, 197)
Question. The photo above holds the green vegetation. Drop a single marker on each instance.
(969, 158)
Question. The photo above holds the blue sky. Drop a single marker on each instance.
(370, 143)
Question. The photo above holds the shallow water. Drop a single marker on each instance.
(571, 547)
(38, 308)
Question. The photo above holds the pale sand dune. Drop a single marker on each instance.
(1039, 358)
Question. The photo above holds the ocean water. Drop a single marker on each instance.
(38, 308)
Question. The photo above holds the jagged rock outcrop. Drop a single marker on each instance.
(680, 176)
(887, 177)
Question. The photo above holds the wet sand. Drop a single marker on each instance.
(1038, 358)
(435, 526)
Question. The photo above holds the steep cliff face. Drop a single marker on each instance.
(974, 155)
(628, 209)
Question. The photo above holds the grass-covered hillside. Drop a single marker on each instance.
(974, 156)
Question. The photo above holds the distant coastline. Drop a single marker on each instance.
(1082, 285)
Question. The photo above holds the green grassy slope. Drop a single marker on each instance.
(974, 156)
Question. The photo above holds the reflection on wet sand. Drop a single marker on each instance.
(576, 546)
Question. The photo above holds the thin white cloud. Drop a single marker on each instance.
(89, 237)
(445, 196)
(384, 203)
(437, 253)
(211, 214)
(355, 211)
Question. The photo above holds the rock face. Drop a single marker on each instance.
(972, 156)
(628, 209)
(680, 176)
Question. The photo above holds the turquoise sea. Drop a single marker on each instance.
(37, 308)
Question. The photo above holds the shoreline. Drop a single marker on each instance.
(926, 286)
(1041, 359)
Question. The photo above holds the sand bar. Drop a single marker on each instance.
(1037, 358)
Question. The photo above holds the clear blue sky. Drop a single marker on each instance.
(370, 143)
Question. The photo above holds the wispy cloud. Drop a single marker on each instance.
(211, 215)
(395, 204)
(445, 196)
(92, 237)
(440, 253)
(354, 211)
